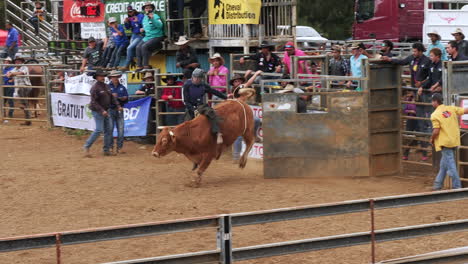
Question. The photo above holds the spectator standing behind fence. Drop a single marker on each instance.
(338, 65)
(173, 96)
(265, 61)
(411, 124)
(133, 22)
(22, 82)
(452, 50)
(120, 93)
(356, 64)
(12, 41)
(120, 41)
(290, 50)
(461, 42)
(108, 46)
(154, 34)
(101, 100)
(386, 48)
(218, 74)
(186, 58)
(445, 138)
(91, 56)
(38, 16)
(8, 91)
(435, 43)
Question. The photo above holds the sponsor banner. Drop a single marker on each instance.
(234, 11)
(96, 30)
(81, 84)
(136, 117)
(71, 111)
(256, 152)
(118, 9)
(83, 11)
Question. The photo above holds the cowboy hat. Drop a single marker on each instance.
(434, 32)
(148, 75)
(242, 90)
(100, 73)
(148, 4)
(216, 56)
(112, 20)
(19, 57)
(115, 73)
(236, 77)
(291, 89)
(267, 45)
(174, 77)
(182, 41)
(7, 59)
(458, 31)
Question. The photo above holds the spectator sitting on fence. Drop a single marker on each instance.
(120, 41)
(120, 92)
(38, 15)
(435, 43)
(266, 61)
(91, 56)
(101, 100)
(147, 88)
(338, 65)
(186, 58)
(356, 64)
(446, 138)
(411, 124)
(153, 29)
(290, 51)
(194, 93)
(22, 83)
(386, 48)
(218, 74)
(108, 47)
(461, 42)
(8, 91)
(171, 94)
(452, 50)
(133, 22)
(12, 41)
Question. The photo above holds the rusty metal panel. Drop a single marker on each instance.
(384, 120)
(333, 143)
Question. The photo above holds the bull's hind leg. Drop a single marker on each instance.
(205, 162)
(249, 141)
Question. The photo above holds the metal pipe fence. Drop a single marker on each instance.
(223, 224)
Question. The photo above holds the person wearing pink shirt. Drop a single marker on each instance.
(290, 50)
(217, 75)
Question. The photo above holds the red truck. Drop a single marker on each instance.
(396, 20)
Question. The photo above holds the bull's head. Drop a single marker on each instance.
(165, 143)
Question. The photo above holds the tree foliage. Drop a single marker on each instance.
(331, 18)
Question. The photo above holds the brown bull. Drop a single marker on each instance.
(195, 140)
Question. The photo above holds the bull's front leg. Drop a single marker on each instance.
(195, 158)
(205, 162)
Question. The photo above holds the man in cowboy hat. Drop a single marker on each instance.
(462, 43)
(101, 101)
(173, 96)
(8, 91)
(153, 29)
(186, 58)
(266, 61)
(435, 43)
(21, 79)
(355, 62)
(120, 92)
(148, 87)
(218, 73)
(91, 56)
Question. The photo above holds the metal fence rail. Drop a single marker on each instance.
(224, 223)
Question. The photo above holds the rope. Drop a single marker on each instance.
(245, 116)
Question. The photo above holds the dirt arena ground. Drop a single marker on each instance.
(46, 186)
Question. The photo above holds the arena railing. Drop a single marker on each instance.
(225, 254)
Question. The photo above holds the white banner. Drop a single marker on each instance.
(72, 111)
(256, 152)
(81, 84)
(96, 30)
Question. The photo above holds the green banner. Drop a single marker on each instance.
(118, 9)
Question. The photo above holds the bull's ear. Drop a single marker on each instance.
(172, 136)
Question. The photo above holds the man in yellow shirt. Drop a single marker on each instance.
(445, 138)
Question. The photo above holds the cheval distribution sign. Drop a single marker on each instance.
(234, 11)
